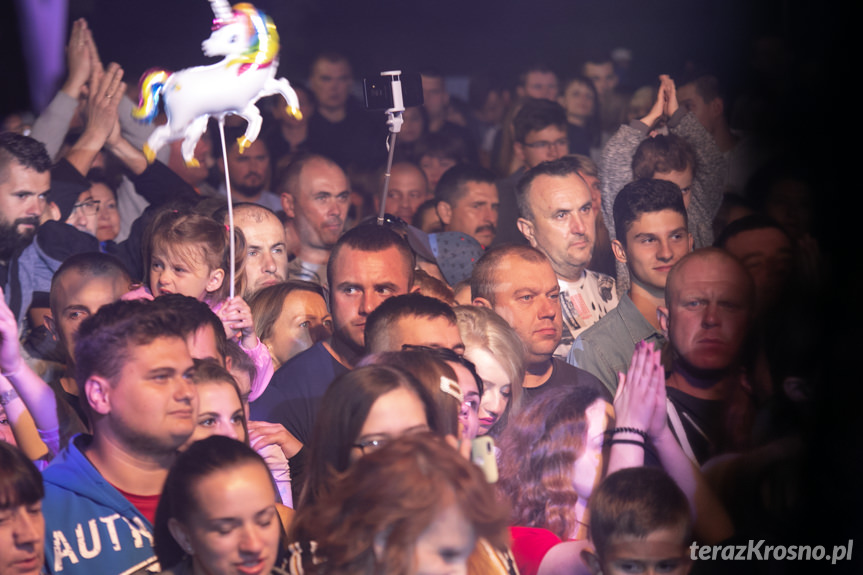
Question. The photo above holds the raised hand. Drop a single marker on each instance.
(635, 402)
(671, 104)
(10, 352)
(106, 91)
(78, 58)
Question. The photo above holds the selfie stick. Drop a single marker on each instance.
(395, 123)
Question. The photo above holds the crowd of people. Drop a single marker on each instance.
(578, 341)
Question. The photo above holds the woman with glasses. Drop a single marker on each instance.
(84, 211)
(361, 411)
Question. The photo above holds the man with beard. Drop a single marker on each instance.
(315, 196)
(24, 182)
(468, 202)
(249, 172)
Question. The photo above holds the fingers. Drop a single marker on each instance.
(621, 382)
(95, 60)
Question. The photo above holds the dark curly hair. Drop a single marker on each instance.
(539, 447)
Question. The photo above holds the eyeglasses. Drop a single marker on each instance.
(90, 207)
(372, 445)
(545, 144)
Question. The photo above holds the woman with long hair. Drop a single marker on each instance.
(498, 354)
(361, 411)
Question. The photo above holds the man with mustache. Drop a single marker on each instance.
(315, 196)
(24, 181)
(249, 171)
(468, 202)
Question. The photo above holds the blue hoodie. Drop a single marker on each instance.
(90, 528)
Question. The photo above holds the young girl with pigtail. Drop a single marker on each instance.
(187, 253)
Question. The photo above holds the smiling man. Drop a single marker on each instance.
(101, 492)
(651, 221)
(558, 217)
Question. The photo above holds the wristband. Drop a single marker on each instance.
(8, 397)
(626, 442)
(640, 432)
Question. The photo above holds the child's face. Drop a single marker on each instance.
(662, 551)
(172, 274)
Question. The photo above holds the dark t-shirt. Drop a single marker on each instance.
(294, 395)
(702, 422)
(563, 374)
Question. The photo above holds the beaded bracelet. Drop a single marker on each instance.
(8, 397)
(626, 442)
(640, 432)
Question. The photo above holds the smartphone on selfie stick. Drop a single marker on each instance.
(393, 92)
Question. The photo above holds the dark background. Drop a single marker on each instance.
(459, 37)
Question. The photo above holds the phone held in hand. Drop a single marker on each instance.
(483, 454)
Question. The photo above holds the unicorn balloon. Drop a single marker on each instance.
(250, 43)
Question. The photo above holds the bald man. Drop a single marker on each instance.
(710, 300)
(266, 247)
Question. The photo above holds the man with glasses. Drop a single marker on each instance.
(540, 136)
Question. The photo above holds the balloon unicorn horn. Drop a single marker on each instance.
(249, 42)
(221, 9)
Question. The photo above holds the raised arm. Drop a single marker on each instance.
(36, 395)
(615, 166)
(708, 172)
(106, 89)
(51, 126)
(640, 405)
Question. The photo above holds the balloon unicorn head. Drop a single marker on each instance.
(249, 42)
